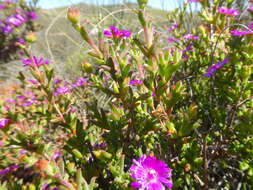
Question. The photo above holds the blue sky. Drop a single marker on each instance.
(165, 4)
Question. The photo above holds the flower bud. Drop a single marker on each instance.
(87, 67)
(102, 155)
(171, 128)
(246, 72)
(31, 37)
(71, 167)
(77, 154)
(142, 3)
(73, 15)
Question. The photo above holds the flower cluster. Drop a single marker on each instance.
(15, 21)
(4, 122)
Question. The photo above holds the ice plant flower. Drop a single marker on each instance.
(32, 15)
(8, 169)
(62, 90)
(228, 11)
(80, 82)
(173, 27)
(2, 7)
(240, 32)
(4, 122)
(173, 39)
(212, 69)
(190, 37)
(7, 29)
(29, 102)
(250, 8)
(57, 81)
(135, 82)
(16, 20)
(32, 81)
(150, 174)
(114, 32)
(34, 61)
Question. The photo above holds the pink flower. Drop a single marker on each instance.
(250, 8)
(10, 100)
(80, 82)
(35, 82)
(57, 81)
(2, 7)
(135, 82)
(173, 39)
(8, 169)
(150, 174)
(250, 25)
(212, 69)
(4, 122)
(32, 15)
(190, 37)
(114, 32)
(34, 61)
(228, 11)
(29, 102)
(173, 27)
(62, 90)
(240, 32)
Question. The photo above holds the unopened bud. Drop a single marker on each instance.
(31, 37)
(87, 67)
(102, 155)
(142, 3)
(73, 15)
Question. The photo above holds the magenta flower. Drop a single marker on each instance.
(8, 169)
(4, 122)
(21, 41)
(114, 32)
(212, 69)
(62, 90)
(16, 20)
(35, 82)
(250, 8)
(56, 156)
(250, 25)
(2, 143)
(172, 40)
(29, 102)
(80, 82)
(10, 100)
(150, 174)
(32, 15)
(135, 82)
(240, 32)
(22, 152)
(190, 37)
(228, 11)
(35, 62)
(57, 81)
(7, 29)
(2, 7)
(173, 27)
